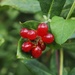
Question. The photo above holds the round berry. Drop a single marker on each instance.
(32, 34)
(42, 45)
(42, 29)
(36, 52)
(27, 46)
(48, 38)
(24, 32)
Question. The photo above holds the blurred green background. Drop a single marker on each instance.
(12, 13)
(9, 35)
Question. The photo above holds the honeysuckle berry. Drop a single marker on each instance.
(36, 40)
(36, 52)
(32, 34)
(48, 38)
(27, 46)
(42, 29)
(24, 32)
(42, 45)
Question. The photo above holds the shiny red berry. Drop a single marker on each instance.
(42, 29)
(27, 46)
(32, 34)
(48, 38)
(42, 45)
(24, 32)
(36, 52)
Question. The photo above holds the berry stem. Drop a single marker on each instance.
(47, 18)
(61, 62)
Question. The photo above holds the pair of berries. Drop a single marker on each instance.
(36, 39)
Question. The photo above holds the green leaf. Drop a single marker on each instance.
(71, 10)
(12, 14)
(51, 6)
(65, 12)
(69, 60)
(56, 4)
(32, 65)
(22, 70)
(3, 30)
(1, 40)
(20, 54)
(67, 9)
(65, 72)
(45, 5)
(36, 68)
(68, 2)
(69, 46)
(30, 24)
(72, 72)
(31, 6)
(71, 53)
(62, 29)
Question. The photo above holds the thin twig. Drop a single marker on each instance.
(61, 62)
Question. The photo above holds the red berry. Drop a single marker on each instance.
(48, 38)
(31, 34)
(36, 52)
(27, 46)
(42, 29)
(42, 45)
(24, 32)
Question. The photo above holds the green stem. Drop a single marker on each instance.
(71, 10)
(61, 62)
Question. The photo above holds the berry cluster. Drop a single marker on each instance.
(36, 39)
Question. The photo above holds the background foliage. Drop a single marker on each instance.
(15, 13)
